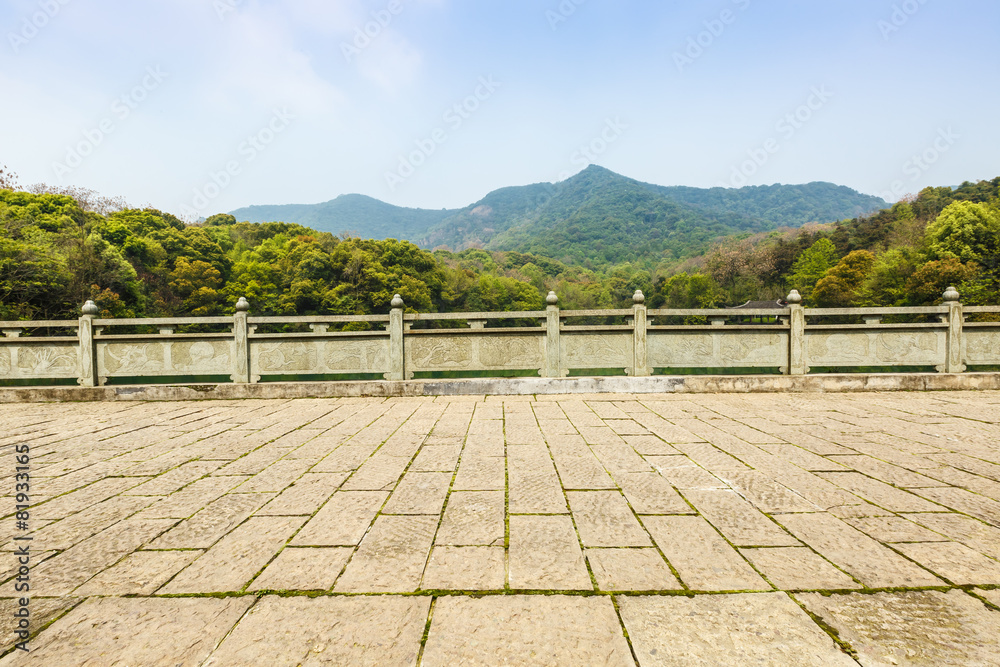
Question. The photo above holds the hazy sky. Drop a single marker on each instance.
(208, 105)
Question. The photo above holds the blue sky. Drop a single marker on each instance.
(201, 106)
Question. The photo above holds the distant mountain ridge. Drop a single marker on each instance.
(594, 217)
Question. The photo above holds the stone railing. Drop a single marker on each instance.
(545, 343)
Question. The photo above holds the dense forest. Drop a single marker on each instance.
(60, 247)
(595, 218)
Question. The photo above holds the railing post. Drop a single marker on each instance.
(796, 334)
(640, 359)
(241, 348)
(953, 361)
(88, 349)
(553, 354)
(397, 362)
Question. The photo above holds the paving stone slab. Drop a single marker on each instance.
(631, 570)
(525, 630)
(236, 558)
(746, 629)
(343, 521)
(993, 596)
(871, 563)
(306, 495)
(473, 518)
(879, 493)
(684, 473)
(303, 569)
(391, 557)
(135, 631)
(605, 519)
(545, 554)
(894, 529)
(798, 568)
(382, 630)
(480, 473)
(742, 523)
(650, 493)
(919, 628)
(139, 573)
(419, 493)
(465, 569)
(42, 611)
(955, 562)
(972, 533)
(703, 560)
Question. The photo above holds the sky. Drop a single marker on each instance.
(202, 106)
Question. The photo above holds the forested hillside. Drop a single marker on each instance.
(59, 249)
(355, 215)
(680, 219)
(904, 255)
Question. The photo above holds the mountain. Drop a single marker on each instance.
(356, 215)
(784, 205)
(593, 218)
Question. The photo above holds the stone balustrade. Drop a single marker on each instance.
(552, 343)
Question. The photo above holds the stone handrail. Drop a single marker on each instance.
(391, 347)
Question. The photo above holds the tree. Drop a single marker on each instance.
(928, 283)
(840, 286)
(968, 231)
(8, 179)
(887, 282)
(197, 282)
(684, 291)
(811, 266)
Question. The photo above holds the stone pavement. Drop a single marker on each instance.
(582, 530)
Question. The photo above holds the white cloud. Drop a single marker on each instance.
(259, 62)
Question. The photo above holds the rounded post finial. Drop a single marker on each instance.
(951, 295)
(397, 302)
(552, 299)
(90, 308)
(638, 298)
(794, 297)
(242, 305)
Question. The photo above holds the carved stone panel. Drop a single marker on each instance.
(897, 348)
(681, 350)
(511, 352)
(39, 361)
(437, 353)
(356, 356)
(910, 348)
(282, 358)
(851, 349)
(982, 346)
(131, 358)
(202, 357)
(718, 350)
(756, 349)
(599, 350)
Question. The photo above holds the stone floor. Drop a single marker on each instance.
(584, 530)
